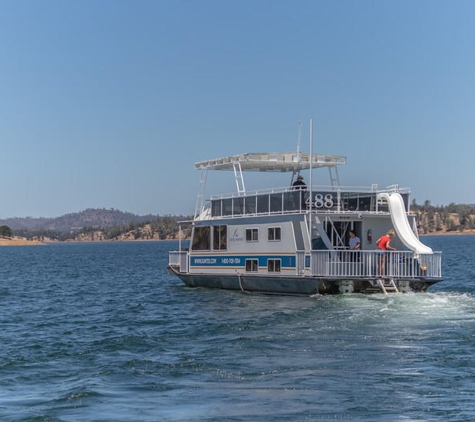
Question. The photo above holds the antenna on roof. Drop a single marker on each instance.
(298, 140)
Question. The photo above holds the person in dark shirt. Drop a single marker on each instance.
(299, 185)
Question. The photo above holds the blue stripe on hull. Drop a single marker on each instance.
(235, 260)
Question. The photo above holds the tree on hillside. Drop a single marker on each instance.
(5, 231)
(426, 206)
(451, 226)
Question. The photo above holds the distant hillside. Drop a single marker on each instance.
(450, 219)
(91, 217)
(110, 225)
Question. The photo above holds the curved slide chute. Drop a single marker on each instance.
(401, 224)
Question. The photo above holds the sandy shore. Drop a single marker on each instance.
(17, 241)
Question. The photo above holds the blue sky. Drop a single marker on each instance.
(108, 104)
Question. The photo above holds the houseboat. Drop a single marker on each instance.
(295, 239)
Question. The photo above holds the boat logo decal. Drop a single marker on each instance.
(235, 237)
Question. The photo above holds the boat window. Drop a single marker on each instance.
(275, 202)
(238, 206)
(227, 206)
(250, 205)
(273, 233)
(252, 235)
(252, 265)
(201, 239)
(219, 237)
(273, 265)
(263, 204)
(216, 206)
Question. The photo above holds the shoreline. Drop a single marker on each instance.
(24, 242)
(464, 233)
(15, 241)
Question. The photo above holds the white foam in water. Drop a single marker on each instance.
(102, 329)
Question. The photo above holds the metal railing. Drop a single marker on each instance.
(399, 264)
(179, 259)
(353, 264)
(286, 200)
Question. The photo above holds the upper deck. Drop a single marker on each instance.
(320, 199)
(278, 200)
(282, 162)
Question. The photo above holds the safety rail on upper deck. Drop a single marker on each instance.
(285, 200)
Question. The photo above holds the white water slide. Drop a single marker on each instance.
(401, 224)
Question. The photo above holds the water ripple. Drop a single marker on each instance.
(101, 332)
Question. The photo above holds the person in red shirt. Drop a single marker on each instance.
(384, 244)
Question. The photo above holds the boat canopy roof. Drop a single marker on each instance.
(272, 161)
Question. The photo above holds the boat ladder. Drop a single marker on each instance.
(387, 286)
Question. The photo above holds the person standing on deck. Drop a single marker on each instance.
(355, 245)
(383, 246)
(355, 241)
(299, 185)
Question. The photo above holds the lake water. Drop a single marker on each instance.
(101, 332)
